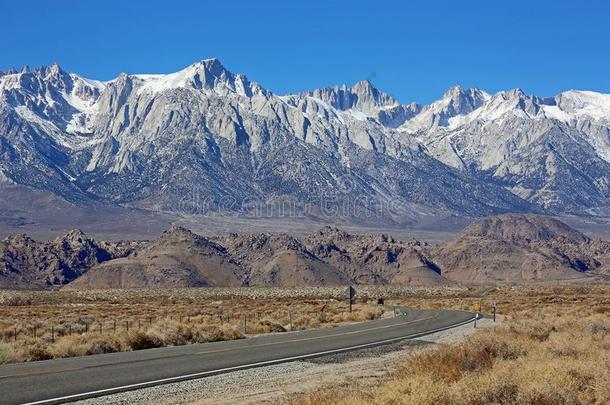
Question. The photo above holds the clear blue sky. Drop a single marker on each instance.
(414, 50)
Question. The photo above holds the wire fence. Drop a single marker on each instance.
(246, 322)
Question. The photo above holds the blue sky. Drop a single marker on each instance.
(413, 50)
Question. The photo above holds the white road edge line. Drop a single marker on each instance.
(146, 384)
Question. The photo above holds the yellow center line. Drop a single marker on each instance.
(313, 338)
(41, 372)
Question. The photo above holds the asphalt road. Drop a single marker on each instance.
(65, 380)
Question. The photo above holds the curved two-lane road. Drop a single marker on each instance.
(65, 380)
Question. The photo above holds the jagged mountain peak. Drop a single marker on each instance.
(463, 100)
(204, 75)
(213, 65)
(460, 90)
(457, 101)
(150, 140)
(363, 96)
(364, 86)
(52, 69)
(43, 72)
(516, 92)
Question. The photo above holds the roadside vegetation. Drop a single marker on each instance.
(46, 325)
(553, 347)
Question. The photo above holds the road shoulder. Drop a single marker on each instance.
(275, 383)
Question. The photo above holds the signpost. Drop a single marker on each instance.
(476, 307)
(351, 296)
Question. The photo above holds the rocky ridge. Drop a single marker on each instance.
(506, 249)
(175, 142)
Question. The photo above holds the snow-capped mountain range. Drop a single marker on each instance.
(205, 139)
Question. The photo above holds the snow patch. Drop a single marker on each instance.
(359, 115)
(589, 103)
(554, 112)
(157, 83)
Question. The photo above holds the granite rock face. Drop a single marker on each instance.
(204, 139)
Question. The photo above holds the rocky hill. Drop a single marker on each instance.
(375, 259)
(280, 260)
(179, 258)
(520, 249)
(508, 249)
(28, 264)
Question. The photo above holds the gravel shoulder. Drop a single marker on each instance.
(275, 383)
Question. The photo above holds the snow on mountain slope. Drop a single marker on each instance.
(553, 152)
(50, 94)
(208, 74)
(204, 139)
(585, 104)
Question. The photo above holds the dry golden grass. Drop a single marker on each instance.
(552, 348)
(66, 324)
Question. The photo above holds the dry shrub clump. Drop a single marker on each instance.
(548, 355)
(31, 350)
(172, 334)
(268, 326)
(53, 324)
(218, 333)
(6, 353)
(82, 345)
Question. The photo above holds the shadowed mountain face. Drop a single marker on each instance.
(27, 264)
(504, 250)
(174, 142)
